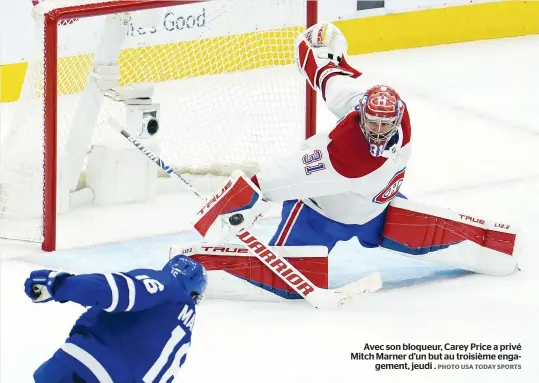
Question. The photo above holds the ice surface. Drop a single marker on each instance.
(475, 133)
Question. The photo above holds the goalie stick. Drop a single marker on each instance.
(317, 297)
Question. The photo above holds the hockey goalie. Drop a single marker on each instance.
(345, 183)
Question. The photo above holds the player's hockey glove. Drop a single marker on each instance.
(41, 285)
(320, 54)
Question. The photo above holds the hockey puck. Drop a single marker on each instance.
(236, 219)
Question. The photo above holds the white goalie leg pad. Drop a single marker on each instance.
(236, 250)
(444, 236)
(235, 207)
(234, 273)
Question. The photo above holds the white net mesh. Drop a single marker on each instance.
(224, 77)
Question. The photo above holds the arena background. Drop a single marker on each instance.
(370, 26)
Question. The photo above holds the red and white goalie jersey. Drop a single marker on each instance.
(339, 185)
(341, 175)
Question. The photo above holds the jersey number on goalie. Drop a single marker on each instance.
(312, 162)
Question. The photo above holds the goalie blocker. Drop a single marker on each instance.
(238, 205)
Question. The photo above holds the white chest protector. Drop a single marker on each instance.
(334, 173)
(367, 196)
(310, 176)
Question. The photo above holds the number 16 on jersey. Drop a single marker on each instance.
(312, 162)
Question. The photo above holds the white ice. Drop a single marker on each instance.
(474, 114)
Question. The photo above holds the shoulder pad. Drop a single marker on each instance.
(317, 141)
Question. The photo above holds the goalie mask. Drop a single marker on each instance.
(380, 114)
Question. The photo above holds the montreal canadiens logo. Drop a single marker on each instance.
(391, 190)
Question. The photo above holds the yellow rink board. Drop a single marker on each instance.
(365, 35)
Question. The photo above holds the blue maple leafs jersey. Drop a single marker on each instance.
(137, 328)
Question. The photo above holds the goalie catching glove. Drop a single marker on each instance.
(235, 207)
(320, 55)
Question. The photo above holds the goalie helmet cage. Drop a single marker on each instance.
(221, 47)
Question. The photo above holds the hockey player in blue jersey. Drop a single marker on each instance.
(137, 327)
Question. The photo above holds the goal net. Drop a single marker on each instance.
(222, 72)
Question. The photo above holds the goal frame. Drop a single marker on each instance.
(52, 20)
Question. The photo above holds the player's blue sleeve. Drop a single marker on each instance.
(135, 290)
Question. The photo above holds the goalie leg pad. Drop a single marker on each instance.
(229, 266)
(446, 237)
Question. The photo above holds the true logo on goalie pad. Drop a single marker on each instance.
(225, 250)
(481, 221)
(417, 233)
(211, 250)
(392, 188)
(472, 219)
